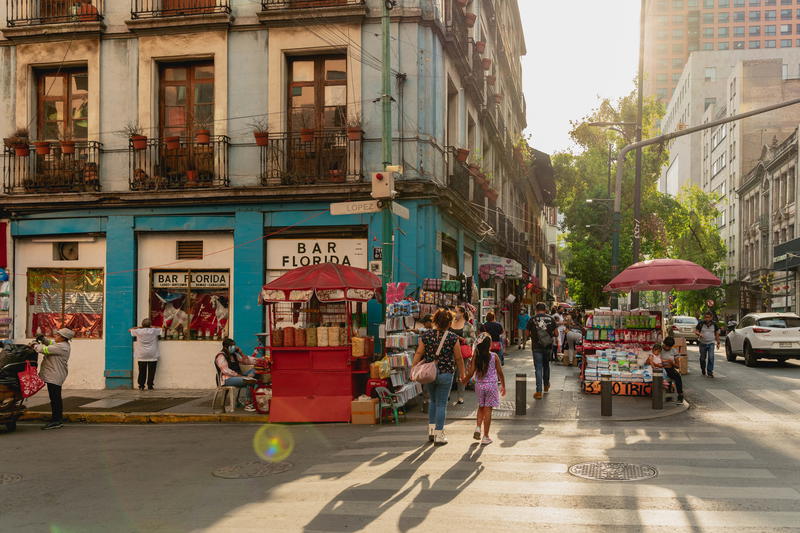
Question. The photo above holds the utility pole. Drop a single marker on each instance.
(637, 185)
(386, 142)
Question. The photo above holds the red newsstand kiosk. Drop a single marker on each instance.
(313, 315)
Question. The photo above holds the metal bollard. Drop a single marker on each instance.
(605, 395)
(658, 389)
(522, 395)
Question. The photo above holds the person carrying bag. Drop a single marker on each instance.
(435, 362)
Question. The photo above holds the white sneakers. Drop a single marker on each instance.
(486, 440)
(439, 438)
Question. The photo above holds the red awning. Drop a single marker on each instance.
(663, 275)
(330, 282)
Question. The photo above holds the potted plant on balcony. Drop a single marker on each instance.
(462, 154)
(191, 175)
(134, 132)
(261, 131)
(20, 143)
(491, 79)
(462, 3)
(474, 163)
(480, 46)
(470, 19)
(202, 132)
(306, 126)
(172, 142)
(354, 130)
(336, 175)
(66, 143)
(42, 147)
(498, 97)
(486, 63)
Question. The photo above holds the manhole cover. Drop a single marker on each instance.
(603, 471)
(7, 478)
(251, 470)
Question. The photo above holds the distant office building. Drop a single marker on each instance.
(676, 28)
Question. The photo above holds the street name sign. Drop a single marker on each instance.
(400, 210)
(355, 208)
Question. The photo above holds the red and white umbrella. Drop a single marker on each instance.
(663, 275)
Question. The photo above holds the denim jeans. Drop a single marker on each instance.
(438, 392)
(707, 357)
(541, 365)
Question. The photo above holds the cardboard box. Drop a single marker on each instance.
(364, 411)
(680, 341)
(683, 364)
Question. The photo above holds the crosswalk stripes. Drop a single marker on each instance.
(781, 399)
(742, 407)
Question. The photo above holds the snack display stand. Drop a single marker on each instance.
(488, 303)
(317, 341)
(618, 343)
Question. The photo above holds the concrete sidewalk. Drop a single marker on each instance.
(564, 401)
(138, 407)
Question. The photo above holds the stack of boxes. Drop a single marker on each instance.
(681, 359)
(623, 366)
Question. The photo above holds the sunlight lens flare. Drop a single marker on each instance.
(273, 443)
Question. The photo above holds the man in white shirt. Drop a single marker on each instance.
(145, 351)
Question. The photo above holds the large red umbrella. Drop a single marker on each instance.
(330, 282)
(663, 275)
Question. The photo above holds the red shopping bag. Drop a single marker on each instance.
(29, 381)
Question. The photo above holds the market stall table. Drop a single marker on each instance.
(314, 315)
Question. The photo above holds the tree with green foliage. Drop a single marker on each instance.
(681, 228)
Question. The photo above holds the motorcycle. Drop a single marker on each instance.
(13, 358)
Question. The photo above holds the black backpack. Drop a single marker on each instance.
(543, 337)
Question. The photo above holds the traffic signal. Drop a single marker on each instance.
(383, 185)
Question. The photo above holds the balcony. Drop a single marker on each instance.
(37, 19)
(292, 12)
(327, 156)
(56, 172)
(152, 15)
(457, 33)
(189, 165)
(459, 179)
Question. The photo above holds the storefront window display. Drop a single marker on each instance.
(190, 304)
(65, 298)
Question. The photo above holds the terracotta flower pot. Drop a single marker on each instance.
(262, 138)
(462, 3)
(67, 147)
(306, 135)
(87, 12)
(355, 133)
(492, 195)
(470, 19)
(461, 154)
(139, 142)
(173, 142)
(202, 136)
(491, 80)
(191, 177)
(336, 176)
(480, 46)
(42, 147)
(22, 150)
(486, 62)
(474, 168)
(498, 98)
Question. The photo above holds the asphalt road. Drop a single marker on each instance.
(729, 463)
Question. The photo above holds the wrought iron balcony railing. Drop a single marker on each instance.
(322, 156)
(268, 5)
(35, 12)
(457, 29)
(70, 169)
(460, 178)
(178, 164)
(141, 9)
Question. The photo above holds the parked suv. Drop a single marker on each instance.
(683, 326)
(765, 336)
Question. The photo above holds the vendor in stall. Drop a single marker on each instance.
(665, 359)
(228, 362)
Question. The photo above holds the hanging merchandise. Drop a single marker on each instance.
(438, 293)
(401, 342)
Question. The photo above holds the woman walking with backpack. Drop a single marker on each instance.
(437, 349)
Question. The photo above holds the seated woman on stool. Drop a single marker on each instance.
(665, 359)
(228, 363)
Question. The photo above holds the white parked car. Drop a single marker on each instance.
(764, 336)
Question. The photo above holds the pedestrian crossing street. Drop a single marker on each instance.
(391, 479)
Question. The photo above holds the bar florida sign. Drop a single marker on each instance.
(287, 254)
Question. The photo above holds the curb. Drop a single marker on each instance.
(651, 415)
(151, 418)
